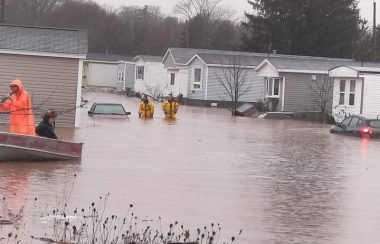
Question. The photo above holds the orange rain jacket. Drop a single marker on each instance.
(146, 110)
(21, 114)
(170, 109)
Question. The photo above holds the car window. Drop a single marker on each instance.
(109, 109)
(374, 123)
(361, 122)
(354, 122)
(346, 122)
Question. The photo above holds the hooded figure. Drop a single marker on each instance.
(46, 127)
(20, 108)
(170, 107)
(146, 109)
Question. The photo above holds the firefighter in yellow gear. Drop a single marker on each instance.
(170, 108)
(146, 109)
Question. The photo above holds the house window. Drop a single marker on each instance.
(352, 93)
(140, 72)
(120, 76)
(342, 90)
(172, 79)
(273, 87)
(197, 79)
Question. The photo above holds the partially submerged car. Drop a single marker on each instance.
(359, 126)
(110, 110)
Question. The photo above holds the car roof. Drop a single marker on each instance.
(364, 117)
(108, 103)
(358, 116)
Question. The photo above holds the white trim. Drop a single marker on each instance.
(126, 62)
(231, 66)
(143, 74)
(166, 53)
(206, 84)
(170, 52)
(79, 94)
(103, 62)
(138, 57)
(271, 80)
(179, 81)
(193, 78)
(43, 54)
(265, 61)
(283, 94)
(134, 77)
(302, 71)
(194, 57)
(125, 76)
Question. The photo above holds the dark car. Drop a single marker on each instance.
(359, 126)
(113, 110)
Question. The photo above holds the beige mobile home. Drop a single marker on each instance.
(49, 61)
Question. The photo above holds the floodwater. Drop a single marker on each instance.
(278, 181)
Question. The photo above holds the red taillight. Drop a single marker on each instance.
(366, 131)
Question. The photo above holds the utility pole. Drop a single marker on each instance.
(2, 11)
(374, 31)
(187, 33)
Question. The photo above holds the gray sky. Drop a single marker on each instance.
(366, 6)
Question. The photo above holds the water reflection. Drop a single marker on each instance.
(280, 181)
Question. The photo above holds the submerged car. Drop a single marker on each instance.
(113, 110)
(359, 126)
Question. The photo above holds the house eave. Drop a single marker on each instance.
(231, 66)
(101, 62)
(194, 57)
(264, 62)
(322, 72)
(43, 54)
(168, 52)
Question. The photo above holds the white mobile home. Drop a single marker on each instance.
(101, 70)
(356, 89)
(150, 76)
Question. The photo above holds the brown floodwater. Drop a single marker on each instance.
(278, 181)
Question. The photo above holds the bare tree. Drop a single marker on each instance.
(234, 80)
(322, 95)
(155, 91)
(2, 11)
(210, 8)
(31, 12)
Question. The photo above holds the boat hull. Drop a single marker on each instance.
(15, 147)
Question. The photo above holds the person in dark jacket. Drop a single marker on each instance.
(46, 126)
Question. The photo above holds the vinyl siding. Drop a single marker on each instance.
(102, 75)
(371, 96)
(130, 76)
(155, 77)
(51, 83)
(216, 92)
(268, 71)
(120, 84)
(298, 92)
(196, 94)
(346, 108)
(169, 62)
(343, 72)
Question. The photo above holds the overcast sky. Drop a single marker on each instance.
(239, 6)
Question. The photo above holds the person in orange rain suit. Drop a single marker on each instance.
(20, 107)
(146, 109)
(170, 108)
